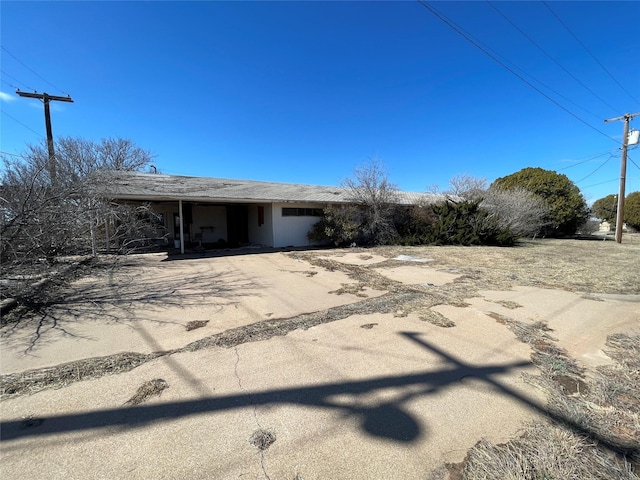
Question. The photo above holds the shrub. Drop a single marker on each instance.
(465, 223)
(339, 225)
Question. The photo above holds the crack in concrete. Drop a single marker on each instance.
(255, 412)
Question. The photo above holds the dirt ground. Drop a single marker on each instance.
(344, 363)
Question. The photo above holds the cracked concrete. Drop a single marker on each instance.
(394, 400)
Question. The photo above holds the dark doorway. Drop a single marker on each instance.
(237, 225)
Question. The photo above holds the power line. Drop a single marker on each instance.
(585, 161)
(24, 125)
(597, 168)
(31, 70)
(506, 60)
(631, 160)
(476, 44)
(601, 183)
(589, 51)
(524, 34)
(14, 78)
(12, 154)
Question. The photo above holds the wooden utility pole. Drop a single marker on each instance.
(46, 98)
(623, 170)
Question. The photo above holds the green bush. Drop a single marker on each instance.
(339, 225)
(465, 223)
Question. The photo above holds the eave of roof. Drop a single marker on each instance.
(125, 185)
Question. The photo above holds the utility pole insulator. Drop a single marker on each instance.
(623, 170)
(46, 98)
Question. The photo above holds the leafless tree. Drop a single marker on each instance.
(371, 189)
(43, 218)
(467, 186)
(519, 210)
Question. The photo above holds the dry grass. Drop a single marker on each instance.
(607, 406)
(544, 452)
(262, 439)
(147, 390)
(192, 325)
(32, 381)
(572, 265)
(436, 318)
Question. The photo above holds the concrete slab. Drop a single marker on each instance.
(579, 322)
(367, 396)
(147, 306)
(418, 275)
(355, 258)
(392, 401)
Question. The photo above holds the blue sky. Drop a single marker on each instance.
(305, 92)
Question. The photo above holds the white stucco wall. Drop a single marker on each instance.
(292, 231)
(211, 221)
(261, 234)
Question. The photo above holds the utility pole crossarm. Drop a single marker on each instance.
(44, 96)
(46, 99)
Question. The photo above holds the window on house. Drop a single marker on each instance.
(301, 212)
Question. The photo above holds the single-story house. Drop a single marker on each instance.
(235, 212)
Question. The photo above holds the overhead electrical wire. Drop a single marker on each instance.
(597, 168)
(15, 79)
(585, 161)
(589, 52)
(24, 125)
(32, 70)
(550, 57)
(506, 60)
(602, 183)
(484, 50)
(12, 154)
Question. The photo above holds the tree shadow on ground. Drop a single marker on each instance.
(131, 295)
(387, 419)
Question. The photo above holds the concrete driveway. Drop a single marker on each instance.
(364, 388)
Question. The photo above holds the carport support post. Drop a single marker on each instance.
(181, 227)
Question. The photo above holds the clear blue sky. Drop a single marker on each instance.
(306, 91)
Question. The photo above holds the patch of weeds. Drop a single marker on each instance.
(368, 326)
(192, 325)
(146, 390)
(262, 439)
(436, 318)
(352, 288)
(310, 273)
(32, 381)
(532, 333)
(501, 319)
(509, 304)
